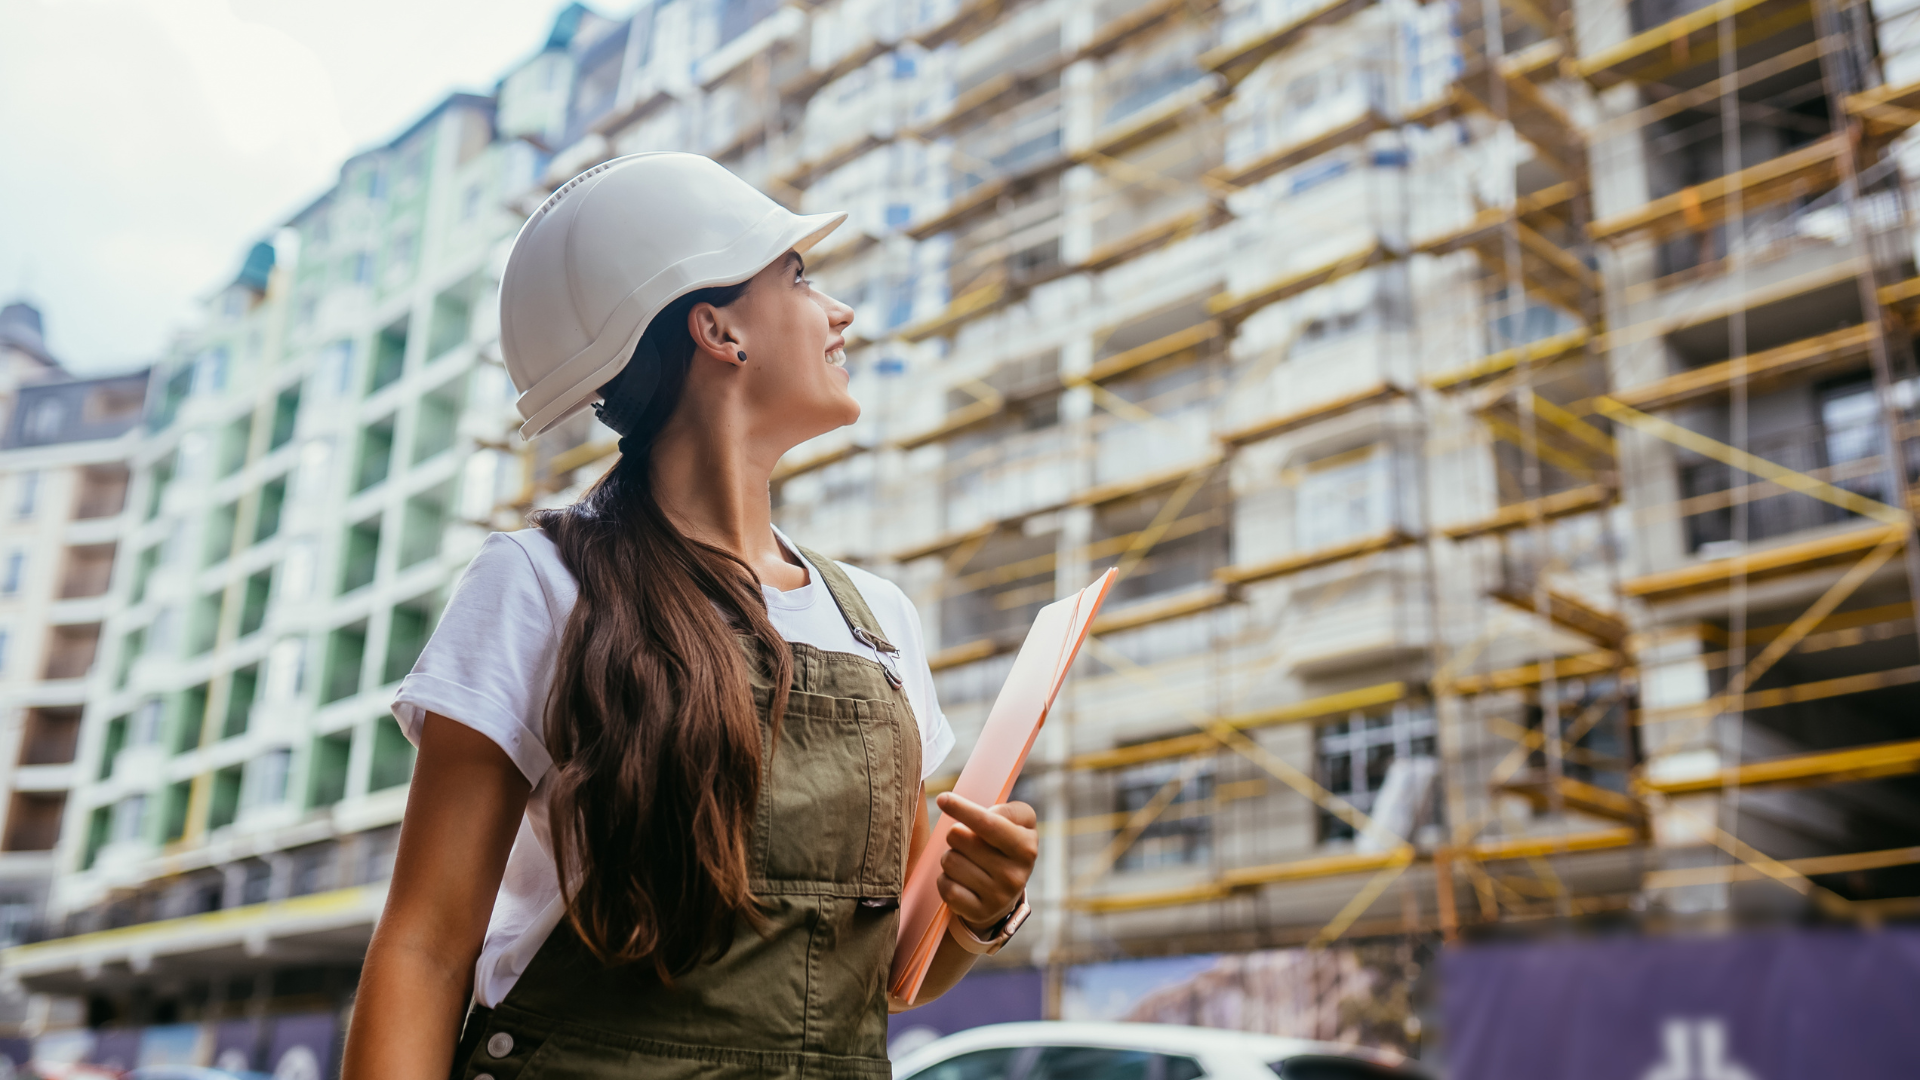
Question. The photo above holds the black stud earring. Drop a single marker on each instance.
(742, 356)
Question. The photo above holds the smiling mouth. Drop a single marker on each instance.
(837, 356)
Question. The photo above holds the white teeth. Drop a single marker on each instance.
(837, 357)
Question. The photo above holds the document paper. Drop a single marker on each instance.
(994, 765)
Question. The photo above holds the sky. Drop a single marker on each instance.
(146, 144)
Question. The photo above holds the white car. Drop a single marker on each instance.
(1072, 1050)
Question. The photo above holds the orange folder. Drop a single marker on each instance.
(995, 764)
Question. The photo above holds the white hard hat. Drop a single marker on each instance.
(612, 248)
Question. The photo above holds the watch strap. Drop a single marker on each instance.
(998, 934)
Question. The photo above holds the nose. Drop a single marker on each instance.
(839, 315)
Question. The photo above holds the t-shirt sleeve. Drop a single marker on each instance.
(490, 660)
(936, 735)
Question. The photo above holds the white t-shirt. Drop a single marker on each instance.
(490, 662)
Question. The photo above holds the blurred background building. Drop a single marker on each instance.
(1501, 413)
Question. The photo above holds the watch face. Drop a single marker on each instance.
(1018, 916)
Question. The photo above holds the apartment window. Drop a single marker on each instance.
(111, 746)
(219, 540)
(143, 566)
(392, 756)
(103, 491)
(224, 805)
(190, 718)
(470, 202)
(203, 624)
(400, 255)
(389, 356)
(11, 572)
(286, 669)
(29, 493)
(157, 489)
(131, 647)
(233, 446)
(241, 689)
(89, 571)
(174, 821)
(33, 820)
(436, 422)
(360, 267)
(99, 827)
(17, 914)
(346, 649)
(376, 454)
(406, 637)
(253, 602)
(1183, 833)
(423, 520)
(333, 375)
(327, 776)
(52, 734)
(147, 721)
(361, 556)
(45, 418)
(210, 371)
(4, 642)
(70, 650)
(273, 500)
(900, 301)
(1356, 756)
(267, 778)
(129, 819)
(286, 413)
(1344, 497)
(452, 318)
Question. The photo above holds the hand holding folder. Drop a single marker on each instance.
(1005, 740)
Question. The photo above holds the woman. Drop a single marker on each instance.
(670, 767)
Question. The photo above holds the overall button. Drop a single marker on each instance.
(484, 1076)
(500, 1045)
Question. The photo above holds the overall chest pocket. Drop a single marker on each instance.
(831, 808)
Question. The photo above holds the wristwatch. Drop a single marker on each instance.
(997, 935)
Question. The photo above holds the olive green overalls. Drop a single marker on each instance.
(830, 844)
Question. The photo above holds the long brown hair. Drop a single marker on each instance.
(651, 721)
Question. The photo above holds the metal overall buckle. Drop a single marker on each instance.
(884, 652)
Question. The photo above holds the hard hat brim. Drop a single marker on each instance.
(577, 382)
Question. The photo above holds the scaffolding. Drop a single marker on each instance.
(1522, 533)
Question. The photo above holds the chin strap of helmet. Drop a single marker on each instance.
(625, 397)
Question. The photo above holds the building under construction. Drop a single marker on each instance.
(1500, 413)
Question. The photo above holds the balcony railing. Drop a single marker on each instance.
(1711, 490)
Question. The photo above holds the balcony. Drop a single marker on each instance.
(1711, 490)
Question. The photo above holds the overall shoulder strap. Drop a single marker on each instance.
(853, 606)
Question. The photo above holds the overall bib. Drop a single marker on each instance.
(830, 844)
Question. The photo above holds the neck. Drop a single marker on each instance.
(711, 478)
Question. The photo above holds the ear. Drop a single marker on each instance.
(714, 334)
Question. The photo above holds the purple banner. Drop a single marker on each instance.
(982, 997)
(116, 1048)
(236, 1045)
(1748, 1007)
(301, 1047)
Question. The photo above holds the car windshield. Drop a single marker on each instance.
(1062, 1063)
(996, 1064)
(1335, 1068)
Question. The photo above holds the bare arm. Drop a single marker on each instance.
(462, 813)
(990, 856)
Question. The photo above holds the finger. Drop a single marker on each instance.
(1019, 813)
(989, 858)
(994, 828)
(964, 902)
(978, 880)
